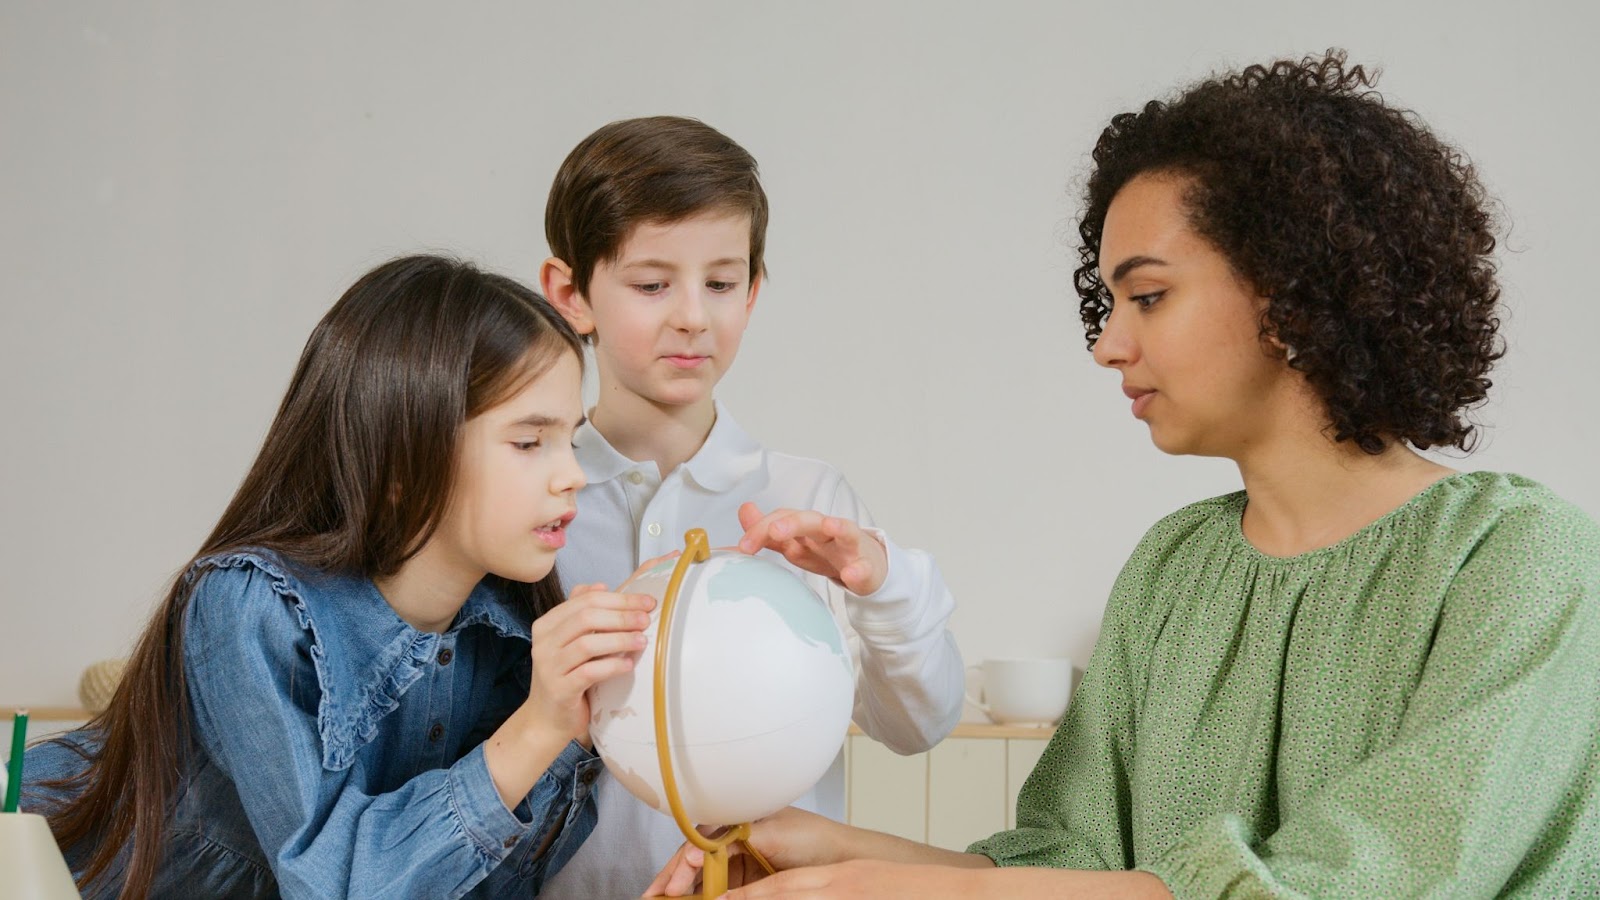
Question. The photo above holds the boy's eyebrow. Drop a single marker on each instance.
(663, 264)
(1131, 263)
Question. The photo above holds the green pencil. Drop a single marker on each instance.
(19, 742)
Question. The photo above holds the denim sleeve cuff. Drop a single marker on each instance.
(562, 786)
(478, 807)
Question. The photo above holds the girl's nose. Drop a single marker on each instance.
(568, 475)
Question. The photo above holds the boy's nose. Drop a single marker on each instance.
(689, 313)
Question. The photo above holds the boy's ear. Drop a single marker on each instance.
(555, 277)
(750, 301)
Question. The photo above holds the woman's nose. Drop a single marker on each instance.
(1115, 347)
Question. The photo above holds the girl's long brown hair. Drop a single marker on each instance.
(353, 476)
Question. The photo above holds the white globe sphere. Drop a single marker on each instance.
(760, 690)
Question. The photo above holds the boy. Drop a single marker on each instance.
(658, 227)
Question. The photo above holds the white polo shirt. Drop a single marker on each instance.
(909, 676)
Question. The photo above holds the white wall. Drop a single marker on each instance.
(185, 188)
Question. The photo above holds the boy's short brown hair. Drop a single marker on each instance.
(659, 169)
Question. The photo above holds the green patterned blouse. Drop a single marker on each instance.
(1412, 712)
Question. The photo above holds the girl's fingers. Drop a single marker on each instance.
(595, 671)
(597, 645)
(595, 611)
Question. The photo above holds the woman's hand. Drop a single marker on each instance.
(591, 637)
(868, 879)
(789, 838)
(827, 545)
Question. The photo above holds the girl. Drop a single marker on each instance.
(336, 698)
(1364, 675)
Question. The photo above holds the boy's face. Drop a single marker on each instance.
(668, 313)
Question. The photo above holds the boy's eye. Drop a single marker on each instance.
(651, 287)
(722, 287)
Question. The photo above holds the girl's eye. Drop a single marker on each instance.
(526, 445)
(651, 287)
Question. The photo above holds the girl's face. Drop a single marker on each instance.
(516, 481)
(1184, 329)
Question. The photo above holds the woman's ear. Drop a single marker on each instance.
(555, 277)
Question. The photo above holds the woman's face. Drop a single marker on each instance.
(1184, 328)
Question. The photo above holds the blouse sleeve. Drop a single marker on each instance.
(1073, 811)
(1491, 781)
(254, 691)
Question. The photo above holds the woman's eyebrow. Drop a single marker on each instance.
(1131, 263)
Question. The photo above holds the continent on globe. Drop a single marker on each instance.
(759, 691)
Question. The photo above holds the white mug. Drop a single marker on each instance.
(30, 862)
(1024, 691)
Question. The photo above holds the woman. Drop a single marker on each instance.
(1364, 674)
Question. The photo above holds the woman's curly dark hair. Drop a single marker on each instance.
(1368, 235)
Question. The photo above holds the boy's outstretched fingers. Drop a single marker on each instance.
(829, 546)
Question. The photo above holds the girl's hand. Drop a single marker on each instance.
(789, 838)
(589, 638)
(827, 545)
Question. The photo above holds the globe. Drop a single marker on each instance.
(759, 691)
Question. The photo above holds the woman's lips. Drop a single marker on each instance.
(1141, 398)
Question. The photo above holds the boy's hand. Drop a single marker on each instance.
(827, 545)
(587, 639)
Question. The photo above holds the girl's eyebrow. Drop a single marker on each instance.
(540, 420)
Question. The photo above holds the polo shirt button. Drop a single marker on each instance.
(636, 476)
(445, 656)
(435, 733)
(654, 529)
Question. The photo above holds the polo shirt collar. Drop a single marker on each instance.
(728, 456)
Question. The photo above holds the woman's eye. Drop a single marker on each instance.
(1145, 301)
(651, 287)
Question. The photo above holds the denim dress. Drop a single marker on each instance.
(338, 752)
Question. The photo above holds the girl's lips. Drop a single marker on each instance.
(555, 533)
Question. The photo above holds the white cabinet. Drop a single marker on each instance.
(960, 791)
